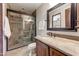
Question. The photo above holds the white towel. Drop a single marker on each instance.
(7, 31)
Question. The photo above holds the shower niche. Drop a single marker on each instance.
(22, 29)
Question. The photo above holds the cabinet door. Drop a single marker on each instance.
(41, 49)
(54, 52)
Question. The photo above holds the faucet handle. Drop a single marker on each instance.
(50, 34)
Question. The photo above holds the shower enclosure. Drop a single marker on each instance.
(22, 29)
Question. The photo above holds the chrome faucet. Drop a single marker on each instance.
(51, 34)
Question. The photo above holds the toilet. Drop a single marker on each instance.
(31, 48)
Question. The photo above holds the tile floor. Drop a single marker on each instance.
(23, 51)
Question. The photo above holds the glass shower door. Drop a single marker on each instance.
(21, 30)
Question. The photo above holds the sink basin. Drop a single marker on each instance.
(47, 37)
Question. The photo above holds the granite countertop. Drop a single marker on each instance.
(70, 47)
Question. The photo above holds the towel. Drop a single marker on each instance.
(7, 31)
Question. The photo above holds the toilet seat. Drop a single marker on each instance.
(31, 47)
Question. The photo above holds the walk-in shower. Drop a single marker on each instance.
(22, 29)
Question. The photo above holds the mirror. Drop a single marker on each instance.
(62, 17)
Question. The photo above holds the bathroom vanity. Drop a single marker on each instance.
(46, 50)
(56, 46)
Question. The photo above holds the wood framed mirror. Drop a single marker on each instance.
(62, 17)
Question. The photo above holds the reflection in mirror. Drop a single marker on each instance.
(56, 21)
(59, 17)
(68, 18)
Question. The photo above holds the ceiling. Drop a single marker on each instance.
(28, 8)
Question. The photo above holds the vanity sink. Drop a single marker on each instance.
(69, 47)
(46, 37)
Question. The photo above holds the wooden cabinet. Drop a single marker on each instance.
(54, 52)
(45, 50)
(41, 49)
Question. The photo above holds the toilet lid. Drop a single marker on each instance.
(32, 45)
